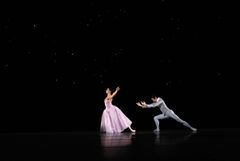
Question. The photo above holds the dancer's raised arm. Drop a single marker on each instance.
(115, 92)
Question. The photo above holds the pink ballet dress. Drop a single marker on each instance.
(113, 119)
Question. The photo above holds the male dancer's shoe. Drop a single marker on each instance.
(194, 129)
(156, 130)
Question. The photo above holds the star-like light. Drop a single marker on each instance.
(5, 65)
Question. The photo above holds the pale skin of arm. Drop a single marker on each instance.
(110, 96)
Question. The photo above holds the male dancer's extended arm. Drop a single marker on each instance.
(152, 105)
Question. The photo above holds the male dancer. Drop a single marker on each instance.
(166, 112)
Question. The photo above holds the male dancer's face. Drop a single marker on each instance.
(154, 99)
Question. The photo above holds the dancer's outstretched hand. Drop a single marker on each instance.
(118, 88)
(143, 103)
(139, 104)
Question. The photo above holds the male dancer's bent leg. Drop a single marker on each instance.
(156, 120)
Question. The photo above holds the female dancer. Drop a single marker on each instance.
(113, 119)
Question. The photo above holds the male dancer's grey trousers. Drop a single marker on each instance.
(170, 114)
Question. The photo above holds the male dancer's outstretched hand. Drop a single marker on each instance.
(139, 104)
(142, 104)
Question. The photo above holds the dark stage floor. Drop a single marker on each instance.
(180, 145)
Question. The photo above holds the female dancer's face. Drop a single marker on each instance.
(108, 91)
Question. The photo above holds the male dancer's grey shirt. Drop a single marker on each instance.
(161, 104)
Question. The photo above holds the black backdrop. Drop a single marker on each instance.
(58, 59)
